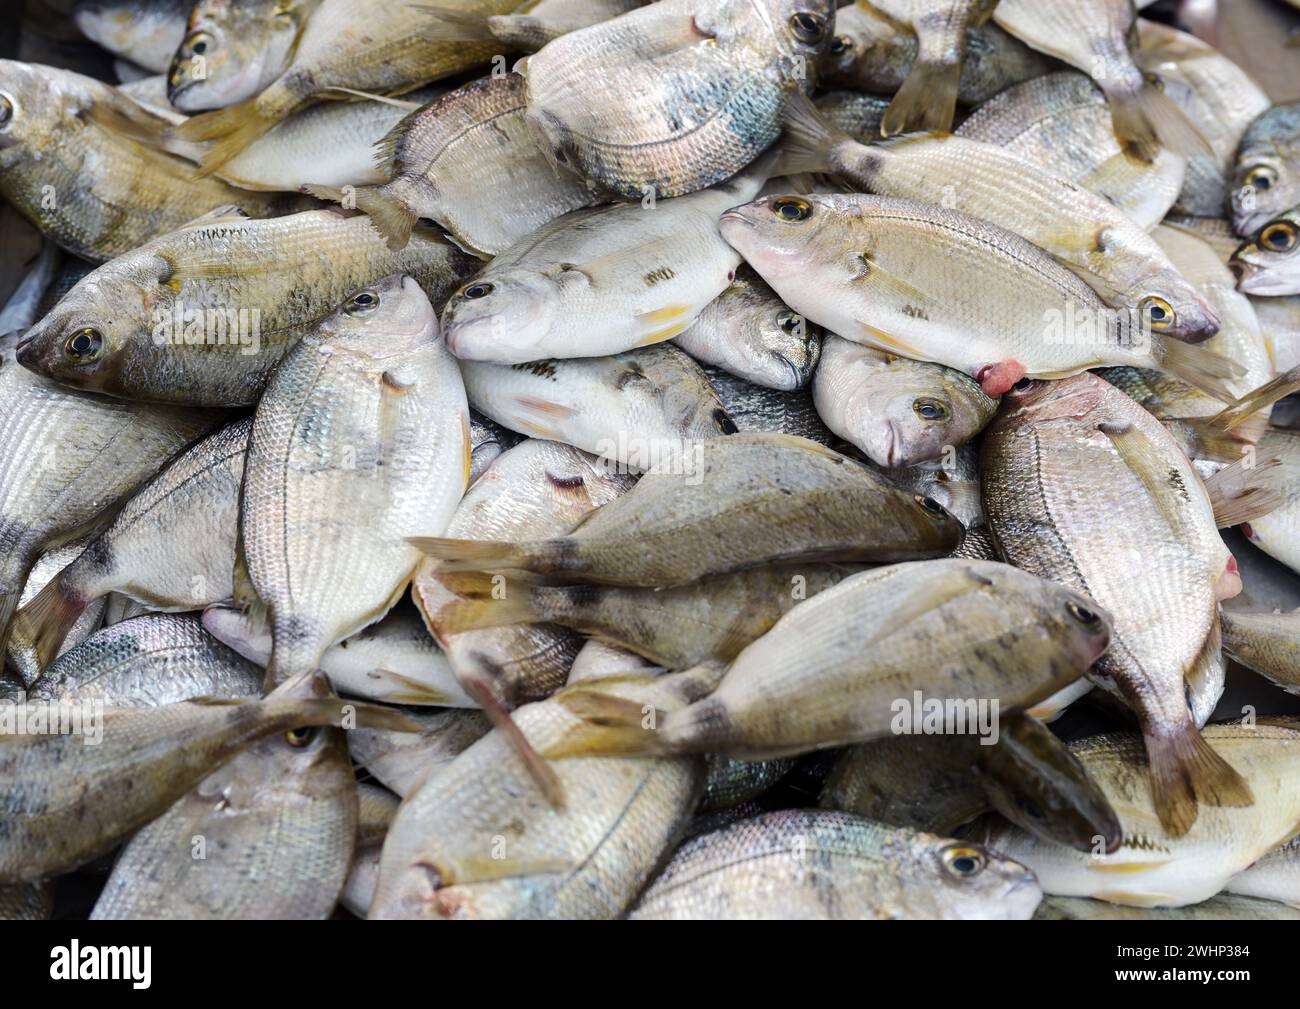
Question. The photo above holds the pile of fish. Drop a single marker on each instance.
(594, 459)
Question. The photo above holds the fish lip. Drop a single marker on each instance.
(1028, 879)
(796, 376)
(734, 214)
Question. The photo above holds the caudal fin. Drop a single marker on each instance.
(43, 624)
(609, 724)
(484, 601)
(1185, 769)
(1147, 120)
(390, 216)
(808, 141)
(444, 24)
(1250, 489)
(1224, 435)
(927, 100)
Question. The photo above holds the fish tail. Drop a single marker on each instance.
(927, 100)
(1146, 120)
(43, 624)
(1224, 435)
(1199, 367)
(480, 555)
(389, 215)
(1185, 768)
(485, 601)
(230, 130)
(446, 25)
(808, 141)
(1249, 489)
(610, 724)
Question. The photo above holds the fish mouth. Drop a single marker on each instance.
(796, 376)
(24, 350)
(734, 215)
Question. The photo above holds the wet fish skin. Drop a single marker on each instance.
(1276, 876)
(1268, 643)
(1266, 177)
(489, 440)
(228, 264)
(899, 412)
(759, 408)
(148, 661)
(527, 31)
(712, 77)
(402, 760)
(1224, 907)
(853, 113)
(362, 438)
(730, 783)
(146, 32)
(810, 864)
(1268, 264)
(1278, 533)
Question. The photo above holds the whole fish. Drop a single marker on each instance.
(748, 331)
(586, 860)
(171, 546)
(729, 504)
(927, 98)
(145, 325)
(401, 760)
(710, 75)
(146, 32)
(898, 411)
(1097, 240)
(346, 45)
(395, 661)
(535, 489)
(1060, 122)
(1224, 907)
(232, 50)
(1276, 876)
(810, 864)
(21, 658)
(148, 661)
(829, 672)
(1268, 264)
(75, 160)
(362, 440)
(626, 409)
(450, 159)
(875, 53)
(1152, 867)
(944, 287)
(1094, 454)
(1094, 37)
(527, 31)
(675, 628)
(756, 408)
(268, 836)
(1268, 643)
(600, 281)
(66, 459)
(1266, 178)
(66, 801)
(1216, 94)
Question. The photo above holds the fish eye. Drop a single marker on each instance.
(931, 505)
(792, 208)
(298, 738)
(930, 409)
(1083, 615)
(199, 43)
(6, 110)
(841, 44)
(1279, 236)
(362, 303)
(1030, 809)
(1155, 81)
(1261, 177)
(85, 343)
(1158, 311)
(790, 322)
(963, 862)
(808, 28)
(723, 422)
(477, 290)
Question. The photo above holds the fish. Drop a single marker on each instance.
(1061, 123)
(395, 661)
(362, 440)
(148, 661)
(232, 50)
(588, 860)
(345, 46)
(1097, 240)
(874, 53)
(1154, 868)
(1267, 264)
(746, 500)
(898, 411)
(448, 160)
(1277, 533)
(537, 488)
(1266, 176)
(676, 628)
(1276, 876)
(66, 459)
(600, 281)
(927, 98)
(1279, 321)
(953, 481)
(1268, 643)
(66, 802)
(75, 160)
(402, 760)
(530, 29)
(1220, 97)
(748, 331)
(760, 408)
(1122, 516)
(488, 440)
(944, 287)
(627, 409)
(21, 658)
(711, 77)
(1224, 907)
(597, 659)
(831, 866)
(146, 32)
(1094, 38)
(1006, 635)
(270, 835)
(171, 546)
(143, 326)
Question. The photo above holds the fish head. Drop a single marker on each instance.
(1269, 263)
(1174, 309)
(224, 59)
(1076, 622)
(1034, 780)
(804, 28)
(867, 49)
(958, 496)
(970, 881)
(693, 409)
(912, 413)
(781, 347)
(505, 316)
(1265, 185)
(37, 104)
(382, 319)
(778, 235)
